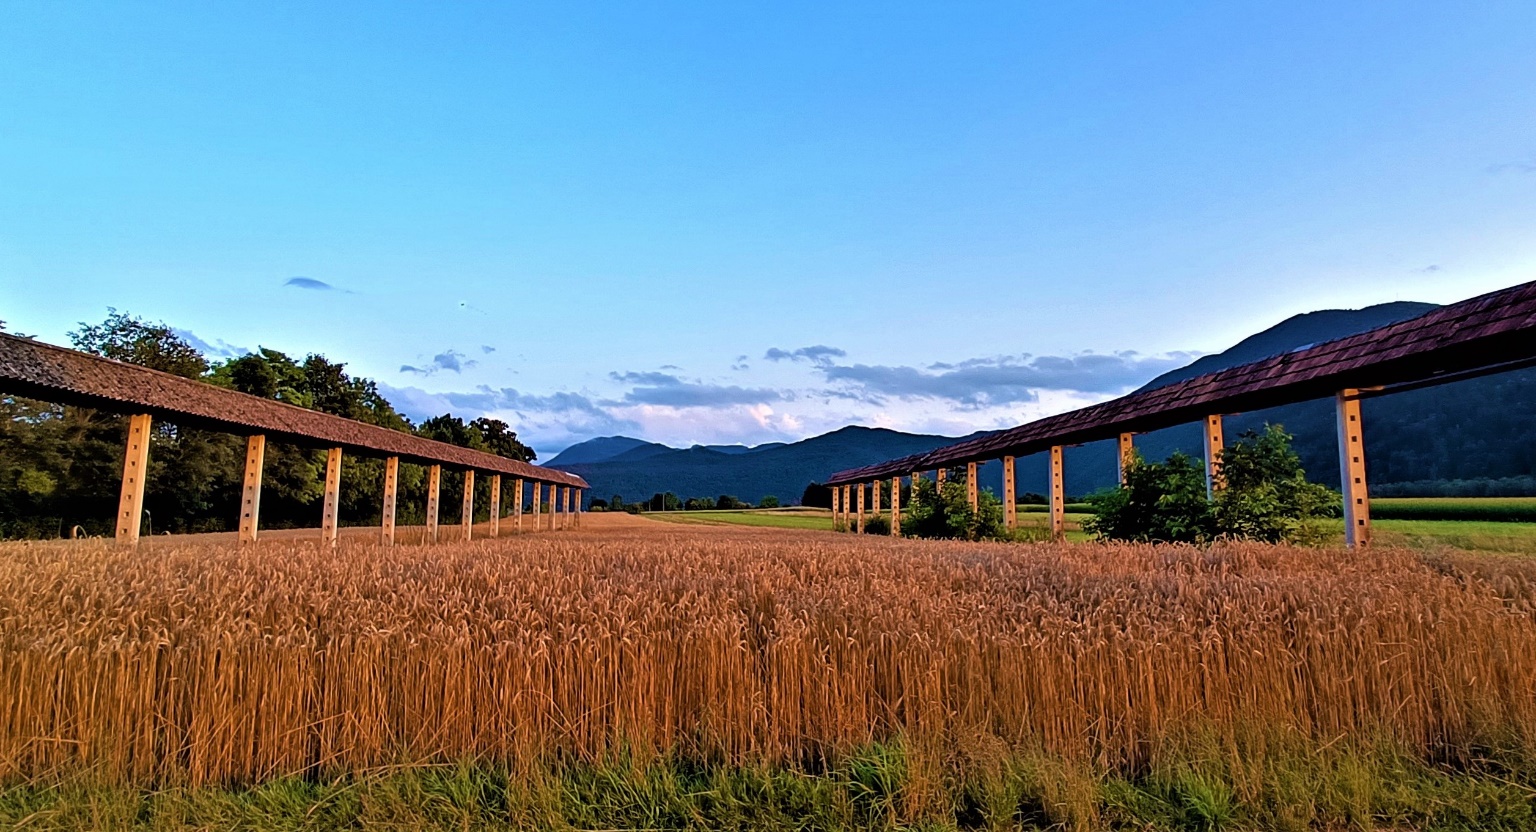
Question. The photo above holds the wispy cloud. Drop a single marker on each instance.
(1518, 166)
(819, 354)
(218, 349)
(450, 360)
(487, 349)
(668, 390)
(312, 284)
(1003, 380)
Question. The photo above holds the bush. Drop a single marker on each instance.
(877, 524)
(945, 513)
(769, 501)
(1266, 497)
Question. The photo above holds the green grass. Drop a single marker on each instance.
(783, 518)
(1496, 509)
(1280, 784)
(1474, 536)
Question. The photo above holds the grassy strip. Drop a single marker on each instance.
(762, 517)
(1492, 509)
(879, 787)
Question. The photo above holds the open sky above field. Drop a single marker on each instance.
(704, 222)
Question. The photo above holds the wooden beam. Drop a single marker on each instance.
(495, 505)
(517, 503)
(468, 521)
(895, 506)
(971, 493)
(1357, 503)
(250, 495)
(1213, 446)
(391, 494)
(1127, 454)
(1058, 496)
(130, 503)
(1010, 508)
(330, 515)
(434, 493)
(860, 495)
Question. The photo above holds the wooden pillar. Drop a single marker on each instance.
(468, 521)
(1127, 454)
(847, 508)
(570, 505)
(874, 498)
(538, 507)
(970, 485)
(1010, 508)
(1357, 504)
(495, 505)
(517, 503)
(130, 504)
(896, 506)
(837, 501)
(434, 492)
(250, 497)
(391, 492)
(1213, 446)
(938, 477)
(860, 520)
(329, 517)
(1058, 496)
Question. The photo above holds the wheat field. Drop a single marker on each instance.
(205, 663)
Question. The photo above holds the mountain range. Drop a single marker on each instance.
(1470, 429)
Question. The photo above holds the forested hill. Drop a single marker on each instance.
(1469, 430)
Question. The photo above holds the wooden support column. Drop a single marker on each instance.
(1058, 496)
(130, 504)
(874, 498)
(970, 485)
(938, 477)
(434, 493)
(837, 500)
(495, 505)
(538, 508)
(860, 519)
(570, 505)
(847, 508)
(517, 503)
(1127, 454)
(329, 517)
(1213, 446)
(250, 496)
(468, 521)
(1010, 508)
(896, 506)
(391, 492)
(1357, 504)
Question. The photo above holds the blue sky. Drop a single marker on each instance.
(704, 222)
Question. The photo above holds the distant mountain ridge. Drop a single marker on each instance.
(1470, 429)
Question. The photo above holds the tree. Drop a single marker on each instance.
(816, 495)
(769, 501)
(726, 501)
(154, 345)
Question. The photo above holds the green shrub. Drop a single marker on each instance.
(945, 513)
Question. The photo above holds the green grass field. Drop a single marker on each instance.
(1471, 535)
(1494, 509)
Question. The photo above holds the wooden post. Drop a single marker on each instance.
(874, 499)
(495, 505)
(1010, 509)
(469, 505)
(1127, 454)
(837, 500)
(130, 504)
(860, 493)
(970, 485)
(517, 502)
(1357, 504)
(391, 492)
(938, 477)
(328, 520)
(570, 505)
(1213, 446)
(1058, 496)
(538, 507)
(434, 491)
(250, 498)
(847, 508)
(896, 506)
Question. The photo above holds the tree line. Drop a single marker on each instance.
(671, 502)
(61, 467)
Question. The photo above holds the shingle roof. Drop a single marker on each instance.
(1489, 330)
(43, 371)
